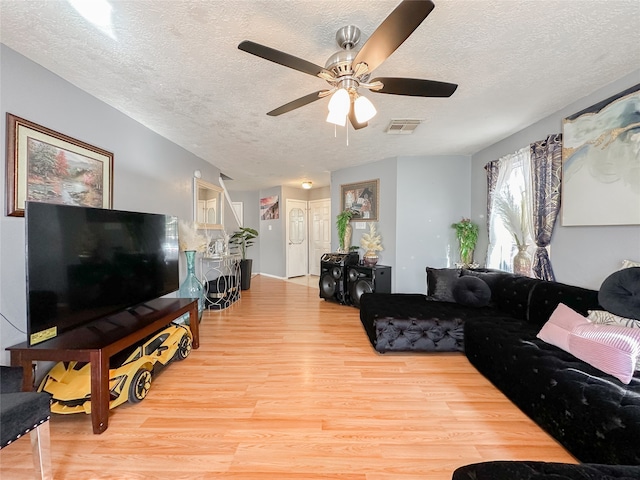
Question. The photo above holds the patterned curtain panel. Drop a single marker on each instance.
(546, 163)
(492, 168)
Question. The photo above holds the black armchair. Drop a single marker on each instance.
(22, 413)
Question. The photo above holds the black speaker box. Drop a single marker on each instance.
(333, 276)
(362, 279)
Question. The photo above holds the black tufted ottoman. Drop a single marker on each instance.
(544, 470)
(412, 323)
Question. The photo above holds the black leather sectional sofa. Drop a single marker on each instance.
(593, 414)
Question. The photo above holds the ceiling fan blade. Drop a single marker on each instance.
(354, 121)
(415, 87)
(281, 58)
(392, 32)
(299, 102)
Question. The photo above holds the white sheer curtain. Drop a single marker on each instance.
(513, 187)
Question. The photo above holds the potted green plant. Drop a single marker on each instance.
(242, 240)
(467, 235)
(344, 230)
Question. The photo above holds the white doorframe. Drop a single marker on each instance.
(297, 238)
(319, 232)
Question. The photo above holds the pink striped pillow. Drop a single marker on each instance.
(614, 350)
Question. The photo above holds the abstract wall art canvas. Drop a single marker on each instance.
(601, 163)
(269, 208)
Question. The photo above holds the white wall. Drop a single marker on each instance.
(582, 256)
(151, 174)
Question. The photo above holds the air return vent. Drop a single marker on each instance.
(403, 126)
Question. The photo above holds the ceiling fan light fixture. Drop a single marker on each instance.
(337, 118)
(339, 107)
(364, 109)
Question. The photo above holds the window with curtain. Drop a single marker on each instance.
(510, 212)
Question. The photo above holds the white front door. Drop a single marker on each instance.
(319, 232)
(297, 240)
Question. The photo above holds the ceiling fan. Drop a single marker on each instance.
(349, 69)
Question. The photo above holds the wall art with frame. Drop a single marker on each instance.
(270, 208)
(601, 163)
(362, 198)
(46, 166)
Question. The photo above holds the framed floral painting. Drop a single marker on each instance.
(46, 166)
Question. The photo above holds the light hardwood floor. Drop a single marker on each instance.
(287, 386)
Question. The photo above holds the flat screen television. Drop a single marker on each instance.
(87, 263)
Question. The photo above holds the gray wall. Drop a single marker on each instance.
(433, 193)
(269, 258)
(420, 197)
(386, 171)
(151, 174)
(251, 213)
(582, 256)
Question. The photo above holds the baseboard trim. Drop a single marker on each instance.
(272, 276)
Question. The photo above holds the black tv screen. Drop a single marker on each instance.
(86, 263)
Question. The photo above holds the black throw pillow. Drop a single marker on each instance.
(471, 292)
(620, 293)
(440, 282)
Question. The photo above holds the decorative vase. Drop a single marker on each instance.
(245, 273)
(191, 287)
(346, 239)
(370, 258)
(466, 256)
(522, 261)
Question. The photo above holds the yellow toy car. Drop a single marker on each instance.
(130, 372)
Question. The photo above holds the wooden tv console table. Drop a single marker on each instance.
(98, 340)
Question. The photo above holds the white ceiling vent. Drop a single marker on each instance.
(403, 126)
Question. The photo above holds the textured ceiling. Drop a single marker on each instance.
(174, 66)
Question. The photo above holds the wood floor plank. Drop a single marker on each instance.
(287, 386)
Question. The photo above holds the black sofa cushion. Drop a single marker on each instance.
(440, 283)
(546, 296)
(511, 293)
(591, 413)
(503, 470)
(471, 292)
(620, 293)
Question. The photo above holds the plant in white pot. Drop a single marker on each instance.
(344, 230)
(372, 244)
(242, 240)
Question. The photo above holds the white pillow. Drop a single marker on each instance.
(603, 317)
(629, 264)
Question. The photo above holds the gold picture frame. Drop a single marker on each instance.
(362, 198)
(47, 166)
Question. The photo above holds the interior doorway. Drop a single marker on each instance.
(308, 235)
(297, 257)
(319, 232)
